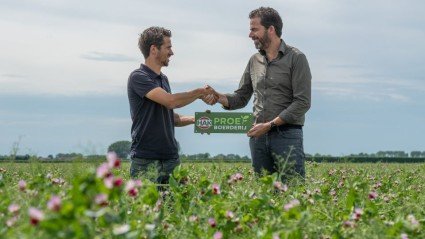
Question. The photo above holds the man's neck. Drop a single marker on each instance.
(155, 67)
(273, 50)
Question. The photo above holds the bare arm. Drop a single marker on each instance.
(172, 101)
(182, 120)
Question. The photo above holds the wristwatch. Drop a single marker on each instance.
(272, 124)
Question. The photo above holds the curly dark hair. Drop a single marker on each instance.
(268, 17)
(152, 36)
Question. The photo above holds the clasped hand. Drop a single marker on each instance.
(212, 97)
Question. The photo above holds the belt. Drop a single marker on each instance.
(286, 126)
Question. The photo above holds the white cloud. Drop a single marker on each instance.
(49, 42)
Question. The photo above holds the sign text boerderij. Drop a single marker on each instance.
(223, 122)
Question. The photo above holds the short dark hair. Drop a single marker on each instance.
(268, 17)
(152, 36)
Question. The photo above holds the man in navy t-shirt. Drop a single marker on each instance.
(151, 107)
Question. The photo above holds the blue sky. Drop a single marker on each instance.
(64, 67)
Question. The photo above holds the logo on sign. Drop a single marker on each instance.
(204, 123)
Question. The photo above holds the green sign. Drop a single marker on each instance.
(223, 122)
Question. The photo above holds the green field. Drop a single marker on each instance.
(204, 201)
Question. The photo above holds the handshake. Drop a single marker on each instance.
(211, 97)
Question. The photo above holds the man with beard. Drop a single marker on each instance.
(279, 77)
(151, 107)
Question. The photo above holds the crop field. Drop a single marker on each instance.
(211, 200)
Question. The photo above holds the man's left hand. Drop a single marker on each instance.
(259, 129)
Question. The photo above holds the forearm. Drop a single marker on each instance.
(182, 99)
(236, 100)
(278, 121)
(294, 112)
(242, 95)
(222, 99)
(180, 120)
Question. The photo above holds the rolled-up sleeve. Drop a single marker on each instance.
(301, 86)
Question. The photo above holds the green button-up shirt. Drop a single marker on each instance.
(281, 87)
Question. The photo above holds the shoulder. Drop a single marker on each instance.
(257, 57)
(294, 52)
(139, 76)
(139, 73)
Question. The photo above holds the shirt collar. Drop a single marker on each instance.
(150, 72)
(282, 48)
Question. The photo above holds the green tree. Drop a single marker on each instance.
(121, 148)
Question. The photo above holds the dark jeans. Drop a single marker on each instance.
(279, 151)
(156, 170)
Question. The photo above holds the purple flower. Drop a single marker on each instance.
(218, 235)
(349, 224)
(358, 212)
(118, 182)
(101, 199)
(404, 236)
(377, 185)
(54, 203)
(230, 215)
(109, 182)
(14, 208)
(58, 181)
(131, 187)
(291, 204)
(235, 177)
(216, 188)
(22, 185)
(411, 218)
(280, 186)
(373, 195)
(113, 160)
(10, 222)
(103, 171)
(212, 222)
(35, 215)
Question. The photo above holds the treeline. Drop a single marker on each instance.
(380, 154)
(362, 159)
(61, 157)
(207, 156)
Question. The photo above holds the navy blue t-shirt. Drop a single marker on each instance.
(152, 131)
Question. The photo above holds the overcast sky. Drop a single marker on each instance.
(64, 67)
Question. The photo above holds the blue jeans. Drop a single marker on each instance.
(156, 170)
(279, 151)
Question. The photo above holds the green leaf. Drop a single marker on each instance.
(351, 199)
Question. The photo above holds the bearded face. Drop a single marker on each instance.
(165, 52)
(259, 34)
(262, 42)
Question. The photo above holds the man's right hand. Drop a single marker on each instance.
(211, 97)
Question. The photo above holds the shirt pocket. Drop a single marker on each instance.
(280, 79)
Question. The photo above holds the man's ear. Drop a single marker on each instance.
(271, 29)
(153, 50)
